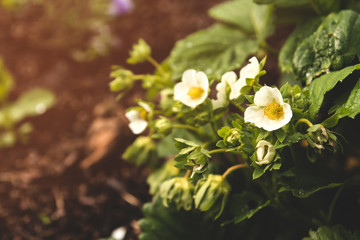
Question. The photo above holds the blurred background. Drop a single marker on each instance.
(61, 172)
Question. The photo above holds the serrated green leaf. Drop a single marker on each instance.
(332, 46)
(322, 85)
(223, 132)
(304, 182)
(215, 51)
(287, 51)
(228, 12)
(256, 19)
(186, 142)
(352, 106)
(258, 172)
(163, 223)
(221, 144)
(242, 206)
(280, 135)
(331, 121)
(332, 233)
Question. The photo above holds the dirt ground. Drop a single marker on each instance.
(69, 181)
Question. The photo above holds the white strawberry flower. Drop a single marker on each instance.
(228, 78)
(193, 88)
(138, 118)
(249, 71)
(270, 112)
(265, 152)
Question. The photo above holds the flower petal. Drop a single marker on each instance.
(253, 114)
(236, 88)
(138, 126)
(145, 106)
(181, 90)
(220, 101)
(267, 95)
(132, 115)
(188, 77)
(229, 77)
(250, 70)
(202, 80)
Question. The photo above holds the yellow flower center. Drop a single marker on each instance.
(143, 114)
(196, 92)
(274, 111)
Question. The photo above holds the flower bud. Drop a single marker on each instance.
(177, 192)
(163, 125)
(123, 79)
(142, 152)
(211, 194)
(265, 152)
(140, 52)
(233, 137)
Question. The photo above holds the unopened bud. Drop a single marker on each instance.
(265, 152)
(163, 126)
(142, 152)
(211, 194)
(123, 79)
(233, 137)
(177, 192)
(139, 53)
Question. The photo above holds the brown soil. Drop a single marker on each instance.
(69, 181)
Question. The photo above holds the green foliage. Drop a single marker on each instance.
(351, 107)
(303, 182)
(160, 175)
(140, 52)
(163, 223)
(331, 47)
(320, 86)
(142, 152)
(211, 195)
(244, 205)
(337, 232)
(255, 20)
(215, 50)
(177, 193)
(32, 103)
(264, 180)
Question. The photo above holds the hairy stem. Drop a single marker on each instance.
(156, 64)
(233, 168)
(303, 120)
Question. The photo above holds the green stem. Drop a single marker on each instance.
(332, 205)
(157, 65)
(220, 150)
(233, 168)
(303, 120)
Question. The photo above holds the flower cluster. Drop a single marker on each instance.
(246, 127)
